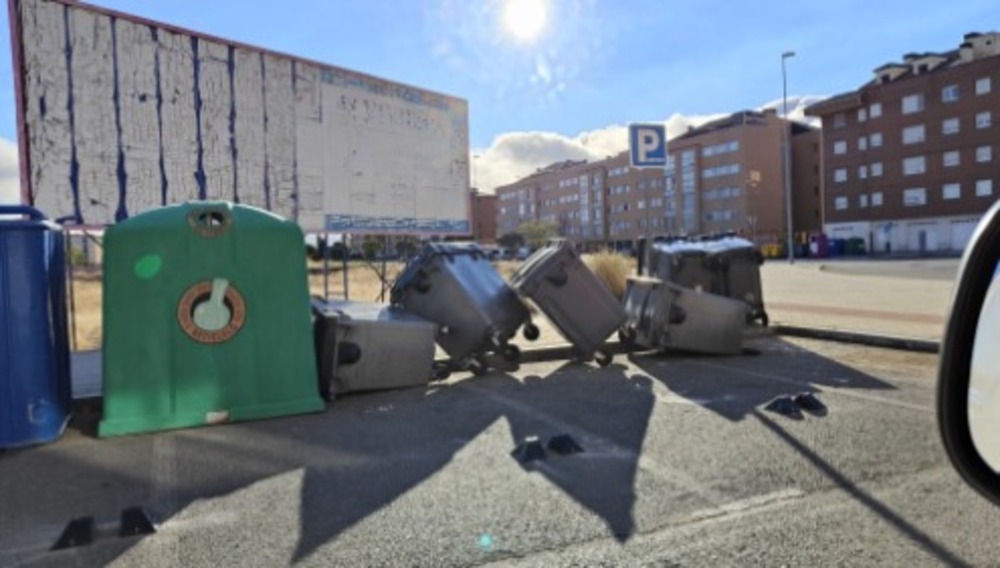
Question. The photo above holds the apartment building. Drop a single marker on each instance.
(634, 201)
(726, 175)
(723, 176)
(910, 159)
(569, 194)
(484, 217)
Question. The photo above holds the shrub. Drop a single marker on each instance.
(612, 268)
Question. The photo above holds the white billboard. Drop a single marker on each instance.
(118, 115)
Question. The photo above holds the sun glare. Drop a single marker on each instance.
(525, 20)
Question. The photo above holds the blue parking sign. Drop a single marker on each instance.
(647, 145)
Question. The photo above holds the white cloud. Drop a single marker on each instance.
(797, 108)
(513, 155)
(10, 181)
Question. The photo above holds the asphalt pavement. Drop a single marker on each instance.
(682, 466)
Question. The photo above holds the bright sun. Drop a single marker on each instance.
(524, 20)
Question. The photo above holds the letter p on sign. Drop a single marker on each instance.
(648, 145)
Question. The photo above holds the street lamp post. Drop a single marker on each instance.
(786, 157)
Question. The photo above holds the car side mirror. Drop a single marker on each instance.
(968, 394)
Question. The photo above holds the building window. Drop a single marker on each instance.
(862, 143)
(876, 169)
(949, 94)
(914, 134)
(862, 114)
(839, 120)
(984, 119)
(951, 158)
(915, 196)
(949, 126)
(951, 191)
(728, 169)
(840, 175)
(984, 154)
(863, 200)
(875, 110)
(723, 148)
(982, 86)
(877, 199)
(914, 166)
(862, 172)
(913, 103)
(840, 203)
(840, 147)
(875, 140)
(984, 187)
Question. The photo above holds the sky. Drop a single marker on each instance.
(592, 67)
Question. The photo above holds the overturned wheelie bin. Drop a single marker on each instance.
(364, 346)
(572, 297)
(456, 287)
(663, 315)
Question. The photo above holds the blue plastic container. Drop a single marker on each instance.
(35, 390)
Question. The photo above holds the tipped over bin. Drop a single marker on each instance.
(206, 319)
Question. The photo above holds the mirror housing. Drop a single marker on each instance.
(976, 273)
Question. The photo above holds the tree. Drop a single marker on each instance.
(407, 246)
(537, 233)
(511, 241)
(371, 246)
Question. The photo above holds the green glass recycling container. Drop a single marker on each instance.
(206, 319)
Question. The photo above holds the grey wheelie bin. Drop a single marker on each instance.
(663, 315)
(477, 312)
(725, 265)
(363, 346)
(680, 261)
(573, 297)
(736, 263)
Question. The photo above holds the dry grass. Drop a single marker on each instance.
(612, 268)
(87, 296)
(363, 284)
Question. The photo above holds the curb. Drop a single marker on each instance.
(565, 352)
(558, 352)
(858, 338)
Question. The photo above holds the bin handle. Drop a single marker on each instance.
(28, 210)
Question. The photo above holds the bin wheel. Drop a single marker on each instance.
(531, 331)
(478, 367)
(626, 337)
(442, 371)
(764, 320)
(603, 359)
(511, 353)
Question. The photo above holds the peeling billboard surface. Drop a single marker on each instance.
(119, 115)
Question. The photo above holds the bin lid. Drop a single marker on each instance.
(12, 218)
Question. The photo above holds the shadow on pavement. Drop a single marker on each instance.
(358, 457)
(735, 386)
(913, 533)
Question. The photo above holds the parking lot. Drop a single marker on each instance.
(681, 466)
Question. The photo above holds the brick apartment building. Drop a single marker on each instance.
(726, 175)
(484, 217)
(722, 176)
(910, 158)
